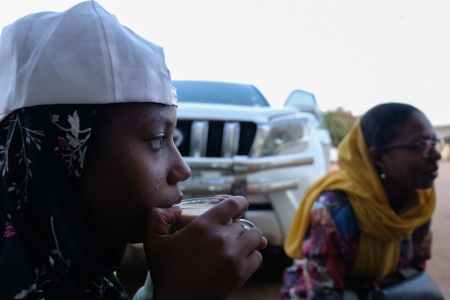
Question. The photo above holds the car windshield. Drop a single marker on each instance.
(219, 93)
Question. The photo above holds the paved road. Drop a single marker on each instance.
(262, 287)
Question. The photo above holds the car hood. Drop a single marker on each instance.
(196, 111)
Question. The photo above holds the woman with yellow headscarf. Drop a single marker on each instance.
(362, 222)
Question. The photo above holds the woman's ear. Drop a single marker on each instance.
(376, 157)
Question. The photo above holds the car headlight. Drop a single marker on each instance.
(280, 133)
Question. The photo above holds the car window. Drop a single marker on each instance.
(219, 93)
(305, 101)
(298, 97)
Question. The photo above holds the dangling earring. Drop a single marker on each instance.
(382, 173)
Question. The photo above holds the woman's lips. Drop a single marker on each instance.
(432, 173)
(179, 199)
(171, 202)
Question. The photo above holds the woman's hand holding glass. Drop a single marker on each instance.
(210, 258)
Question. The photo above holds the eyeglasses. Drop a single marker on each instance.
(423, 146)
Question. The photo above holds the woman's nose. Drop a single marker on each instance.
(434, 154)
(185, 171)
(179, 171)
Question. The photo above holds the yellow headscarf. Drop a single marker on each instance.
(381, 228)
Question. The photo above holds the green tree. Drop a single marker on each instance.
(338, 122)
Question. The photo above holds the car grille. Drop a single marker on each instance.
(215, 138)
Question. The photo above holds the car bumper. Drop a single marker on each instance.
(234, 175)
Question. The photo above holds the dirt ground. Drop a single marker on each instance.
(439, 265)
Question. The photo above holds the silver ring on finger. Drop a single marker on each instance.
(246, 224)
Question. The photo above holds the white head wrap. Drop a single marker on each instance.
(82, 55)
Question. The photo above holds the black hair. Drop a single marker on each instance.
(381, 124)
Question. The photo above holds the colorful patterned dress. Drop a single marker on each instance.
(331, 245)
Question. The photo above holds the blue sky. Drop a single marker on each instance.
(350, 54)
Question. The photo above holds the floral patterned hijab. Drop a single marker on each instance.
(56, 68)
(45, 246)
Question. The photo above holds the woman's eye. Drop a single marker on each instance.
(422, 144)
(156, 143)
